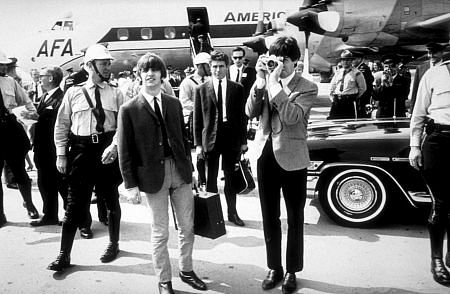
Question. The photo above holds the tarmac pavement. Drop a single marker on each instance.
(391, 258)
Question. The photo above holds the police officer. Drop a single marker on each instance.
(359, 64)
(187, 91)
(432, 157)
(347, 86)
(14, 144)
(393, 91)
(87, 151)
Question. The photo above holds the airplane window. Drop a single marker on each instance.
(68, 25)
(146, 33)
(122, 34)
(406, 10)
(169, 32)
(57, 26)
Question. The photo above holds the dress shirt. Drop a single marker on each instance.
(234, 71)
(49, 93)
(276, 88)
(150, 99)
(224, 99)
(14, 95)
(76, 115)
(433, 101)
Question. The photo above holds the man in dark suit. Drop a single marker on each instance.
(282, 99)
(154, 157)
(220, 127)
(50, 181)
(241, 73)
(435, 54)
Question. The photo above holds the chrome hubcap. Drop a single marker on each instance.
(356, 195)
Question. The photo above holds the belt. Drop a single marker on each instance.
(92, 139)
(345, 97)
(441, 128)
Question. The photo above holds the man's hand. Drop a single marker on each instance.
(61, 163)
(134, 195)
(199, 150)
(29, 115)
(260, 67)
(110, 154)
(415, 157)
(244, 148)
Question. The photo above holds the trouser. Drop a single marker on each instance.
(343, 107)
(229, 158)
(13, 149)
(50, 182)
(181, 197)
(85, 172)
(272, 178)
(436, 164)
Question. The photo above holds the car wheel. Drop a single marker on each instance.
(354, 198)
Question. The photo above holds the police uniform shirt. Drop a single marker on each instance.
(433, 101)
(354, 83)
(14, 95)
(187, 91)
(76, 115)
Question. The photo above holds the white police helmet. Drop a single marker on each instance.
(97, 51)
(4, 59)
(202, 57)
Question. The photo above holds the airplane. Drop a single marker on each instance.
(371, 27)
(57, 32)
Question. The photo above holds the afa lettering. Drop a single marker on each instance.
(252, 16)
(65, 46)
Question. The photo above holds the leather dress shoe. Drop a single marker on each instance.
(3, 220)
(165, 288)
(272, 279)
(44, 222)
(235, 219)
(110, 253)
(61, 262)
(440, 273)
(191, 279)
(86, 233)
(289, 284)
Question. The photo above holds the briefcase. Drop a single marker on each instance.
(242, 180)
(208, 216)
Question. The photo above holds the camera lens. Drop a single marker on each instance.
(271, 63)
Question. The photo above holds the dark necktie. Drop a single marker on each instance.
(219, 102)
(100, 116)
(36, 93)
(42, 103)
(341, 88)
(203, 80)
(237, 76)
(167, 149)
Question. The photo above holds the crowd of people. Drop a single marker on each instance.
(92, 132)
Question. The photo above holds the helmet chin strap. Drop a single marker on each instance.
(104, 79)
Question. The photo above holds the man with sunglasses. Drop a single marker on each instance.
(241, 73)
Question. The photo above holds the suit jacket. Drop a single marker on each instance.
(288, 122)
(44, 127)
(140, 143)
(247, 78)
(420, 71)
(386, 96)
(206, 115)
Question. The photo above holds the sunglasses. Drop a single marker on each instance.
(238, 57)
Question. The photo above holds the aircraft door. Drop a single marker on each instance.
(200, 40)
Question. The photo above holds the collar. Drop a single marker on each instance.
(287, 79)
(150, 98)
(50, 93)
(216, 82)
(91, 84)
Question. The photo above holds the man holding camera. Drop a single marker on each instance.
(393, 90)
(282, 99)
(347, 86)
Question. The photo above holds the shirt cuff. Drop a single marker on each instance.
(61, 151)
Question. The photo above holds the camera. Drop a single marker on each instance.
(271, 64)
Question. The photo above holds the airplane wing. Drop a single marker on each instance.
(441, 22)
